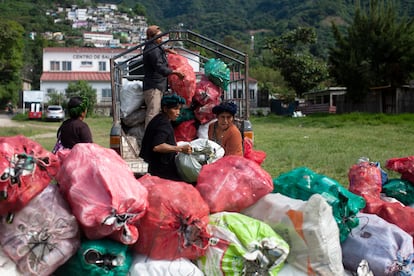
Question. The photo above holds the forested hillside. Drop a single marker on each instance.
(244, 24)
(263, 18)
(217, 19)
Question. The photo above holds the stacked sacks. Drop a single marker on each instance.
(132, 113)
(7, 266)
(204, 152)
(102, 191)
(386, 247)
(98, 257)
(403, 165)
(241, 245)
(143, 265)
(302, 183)
(233, 183)
(309, 228)
(175, 224)
(365, 180)
(43, 235)
(184, 87)
(26, 169)
(218, 72)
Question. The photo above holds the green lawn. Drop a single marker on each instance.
(326, 144)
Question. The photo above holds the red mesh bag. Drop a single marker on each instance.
(403, 165)
(104, 195)
(185, 131)
(26, 168)
(175, 224)
(365, 180)
(184, 87)
(204, 113)
(206, 92)
(257, 156)
(233, 183)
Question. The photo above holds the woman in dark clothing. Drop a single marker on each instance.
(74, 130)
(159, 147)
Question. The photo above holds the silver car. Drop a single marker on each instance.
(55, 113)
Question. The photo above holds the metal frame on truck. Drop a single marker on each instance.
(128, 65)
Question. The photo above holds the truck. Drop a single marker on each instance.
(198, 49)
(33, 100)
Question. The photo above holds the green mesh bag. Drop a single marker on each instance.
(217, 72)
(97, 258)
(400, 189)
(186, 114)
(302, 183)
(241, 245)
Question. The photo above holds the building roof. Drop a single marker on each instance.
(82, 50)
(234, 76)
(76, 76)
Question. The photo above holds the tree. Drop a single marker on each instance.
(300, 69)
(83, 89)
(271, 81)
(376, 50)
(139, 9)
(11, 60)
(56, 98)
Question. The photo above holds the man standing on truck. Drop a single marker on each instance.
(156, 72)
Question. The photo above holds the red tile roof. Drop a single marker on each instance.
(82, 50)
(75, 76)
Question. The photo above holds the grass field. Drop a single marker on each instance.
(326, 144)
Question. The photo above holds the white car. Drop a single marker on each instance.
(55, 113)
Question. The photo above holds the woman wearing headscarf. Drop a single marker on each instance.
(159, 147)
(224, 132)
(74, 130)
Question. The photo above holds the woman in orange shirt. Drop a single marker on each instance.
(224, 132)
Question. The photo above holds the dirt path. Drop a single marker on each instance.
(5, 121)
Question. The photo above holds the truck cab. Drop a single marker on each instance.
(198, 49)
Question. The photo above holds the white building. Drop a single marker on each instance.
(98, 39)
(64, 65)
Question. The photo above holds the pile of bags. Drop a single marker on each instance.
(201, 93)
(82, 212)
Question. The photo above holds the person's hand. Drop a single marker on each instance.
(170, 51)
(186, 149)
(179, 74)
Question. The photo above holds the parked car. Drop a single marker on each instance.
(55, 113)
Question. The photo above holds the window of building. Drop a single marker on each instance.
(54, 65)
(106, 95)
(240, 94)
(102, 66)
(51, 91)
(86, 63)
(251, 94)
(67, 65)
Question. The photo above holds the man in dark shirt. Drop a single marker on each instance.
(158, 144)
(156, 73)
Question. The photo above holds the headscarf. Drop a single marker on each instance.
(172, 100)
(229, 107)
(77, 105)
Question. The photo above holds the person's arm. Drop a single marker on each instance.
(166, 148)
(156, 56)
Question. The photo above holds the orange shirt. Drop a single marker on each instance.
(231, 140)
